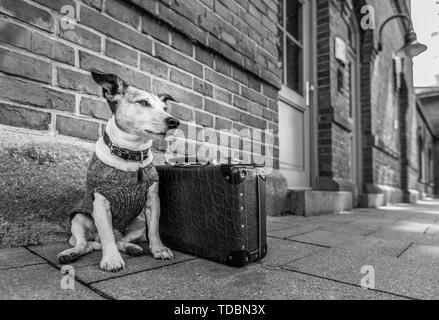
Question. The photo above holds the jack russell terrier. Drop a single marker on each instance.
(122, 184)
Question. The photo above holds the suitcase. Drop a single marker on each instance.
(216, 212)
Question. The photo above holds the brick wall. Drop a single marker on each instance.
(383, 128)
(218, 58)
(324, 89)
(395, 119)
(335, 124)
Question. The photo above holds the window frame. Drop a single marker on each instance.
(283, 38)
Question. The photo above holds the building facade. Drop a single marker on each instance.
(297, 85)
(428, 102)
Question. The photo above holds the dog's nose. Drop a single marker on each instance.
(172, 123)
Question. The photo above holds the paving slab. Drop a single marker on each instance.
(39, 282)
(274, 226)
(375, 246)
(373, 222)
(327, 238)
(50, 252)
(18, 257)
(412, 279)
(349, 228)
(425, 253)
(93, 273)
(398, 211)
(306, 226)
(201, 279)
(338, 218)
(425, 217)
(409, 226)
(292, 231)
(308, 258)
(368, 213)
(433, 230)
(415, 237)
(285, 221)
(281, 252)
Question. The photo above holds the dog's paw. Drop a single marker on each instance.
(113, 262)
(161, 252)
(68, 256)
(133, 250)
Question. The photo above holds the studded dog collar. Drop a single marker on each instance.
(138, 156)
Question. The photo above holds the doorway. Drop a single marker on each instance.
(295, 114)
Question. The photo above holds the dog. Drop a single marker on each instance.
(122, 184)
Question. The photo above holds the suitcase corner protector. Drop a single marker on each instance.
(263, 252)
(238, 258)
(241, 258)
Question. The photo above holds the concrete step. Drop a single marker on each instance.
(41, 178)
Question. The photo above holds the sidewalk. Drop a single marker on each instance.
(308, 258)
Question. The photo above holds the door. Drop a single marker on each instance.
(295, 18)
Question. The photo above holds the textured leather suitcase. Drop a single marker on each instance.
(216, 212)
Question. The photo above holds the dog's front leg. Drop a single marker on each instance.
(152, 211)
(111, 258)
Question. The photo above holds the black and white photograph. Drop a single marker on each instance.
(219, 156)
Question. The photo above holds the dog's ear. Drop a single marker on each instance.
(112, 85)
(165, 97)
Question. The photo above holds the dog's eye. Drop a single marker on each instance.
(165, 108)
(144, 103)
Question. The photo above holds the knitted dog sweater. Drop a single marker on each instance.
(126, 195)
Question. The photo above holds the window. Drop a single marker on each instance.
(294, 19)
(291, 43)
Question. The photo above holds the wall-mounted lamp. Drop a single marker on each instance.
(412, 47)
